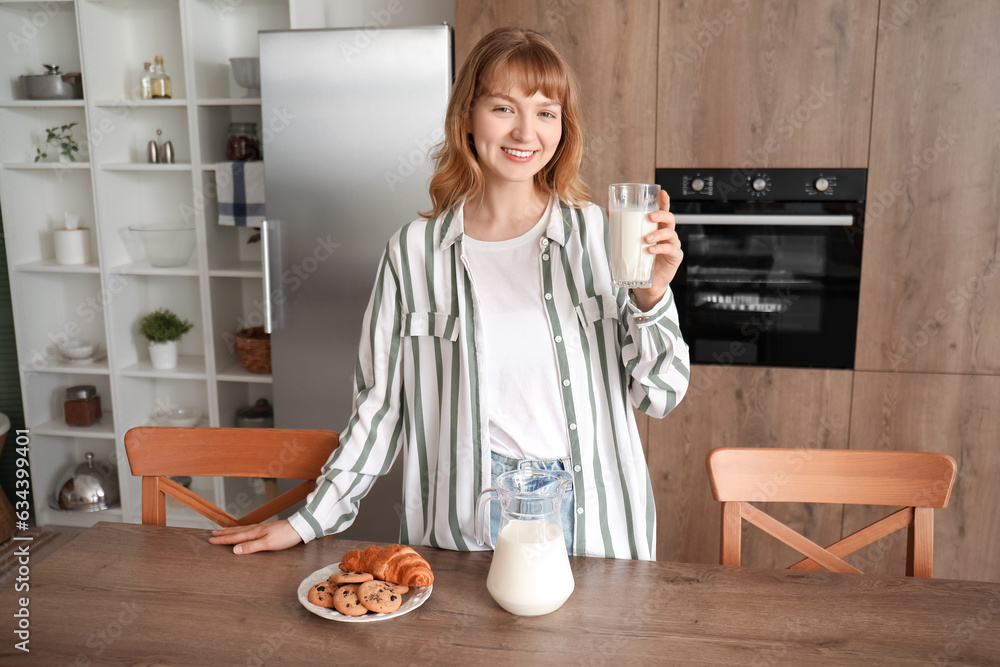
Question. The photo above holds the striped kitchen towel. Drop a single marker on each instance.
(240, 187)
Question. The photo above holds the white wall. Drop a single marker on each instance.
(370, 13)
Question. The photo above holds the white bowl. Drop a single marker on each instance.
(77, 349)
(246, 71)
(182, 417)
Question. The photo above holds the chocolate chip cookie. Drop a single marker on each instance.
(345, 600)
(380, 597)
(321, 595)
(350, 577)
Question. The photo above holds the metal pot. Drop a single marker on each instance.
(53, 85)
(259, 415)
(89, 487)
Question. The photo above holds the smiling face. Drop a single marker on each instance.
(515, 134)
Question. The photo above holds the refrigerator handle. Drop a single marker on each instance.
(267, 248)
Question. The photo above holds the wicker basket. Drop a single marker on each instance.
(253, 346)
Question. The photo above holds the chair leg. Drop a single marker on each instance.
(920, 544)
(732, 533)
(154, 503)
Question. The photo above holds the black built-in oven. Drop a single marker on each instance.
(772, 264)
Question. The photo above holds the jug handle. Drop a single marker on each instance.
(482, 514)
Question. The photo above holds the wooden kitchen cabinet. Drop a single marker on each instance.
(612, 48)
(952, 414)
(930, 279)
(730, 406)
(752, 84)
(906, 89)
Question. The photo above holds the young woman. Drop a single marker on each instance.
(494, 338)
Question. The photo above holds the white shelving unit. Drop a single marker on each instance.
(111, 187)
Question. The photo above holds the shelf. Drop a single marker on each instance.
(179, 514)
(188, 368)
(238, 373)
(151, 423)
(130, 102)
(99, 367)
(37, 104)
(49, 166)
(52, 266)
(145, 166)
(229, 102)
(103, 429)
(143, 268)
(184, 517)
(47, 516)
(237, 270)
(127, 4)
(210, 166)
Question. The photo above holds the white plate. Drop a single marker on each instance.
(412, 599)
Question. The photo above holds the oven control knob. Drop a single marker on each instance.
(697, 185)
(759, 184)
(822, 184)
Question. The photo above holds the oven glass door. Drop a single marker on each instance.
(772, 295)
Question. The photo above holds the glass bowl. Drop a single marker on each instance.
(165, 245)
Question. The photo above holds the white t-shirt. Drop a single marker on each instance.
(526, 414)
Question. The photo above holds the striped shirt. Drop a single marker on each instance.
(419, 389)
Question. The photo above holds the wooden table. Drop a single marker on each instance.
(127, 594)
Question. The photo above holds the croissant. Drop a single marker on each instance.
(396, 563)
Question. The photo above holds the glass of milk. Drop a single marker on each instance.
(530, 573)
(629, 206)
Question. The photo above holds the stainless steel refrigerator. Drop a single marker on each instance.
(348, 120)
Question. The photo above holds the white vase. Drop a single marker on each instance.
(163, 355)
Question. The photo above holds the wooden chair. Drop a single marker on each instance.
(157, 453)
(920, 482)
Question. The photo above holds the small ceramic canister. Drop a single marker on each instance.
(72, 246)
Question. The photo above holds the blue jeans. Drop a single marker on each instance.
(501, 464)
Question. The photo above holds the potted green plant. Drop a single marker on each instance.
(60, 137)
(162, 329)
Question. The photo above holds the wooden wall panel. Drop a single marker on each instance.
(930, 281)
(953, 414)
(735, 83)
(742, 407)
(612, 48)
(764, 83)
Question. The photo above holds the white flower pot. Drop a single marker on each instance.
(163, 355)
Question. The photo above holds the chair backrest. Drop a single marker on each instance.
(918, 481)
(157, 453)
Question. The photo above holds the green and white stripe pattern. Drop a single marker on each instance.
(419, 389)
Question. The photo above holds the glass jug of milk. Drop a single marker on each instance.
(530, 573)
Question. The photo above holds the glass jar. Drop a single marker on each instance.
(160, 87)
(146, 83)
(243, 145)
(82, 406)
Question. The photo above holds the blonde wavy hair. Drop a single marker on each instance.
(505, 56)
